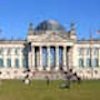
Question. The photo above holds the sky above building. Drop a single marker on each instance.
(15, 16)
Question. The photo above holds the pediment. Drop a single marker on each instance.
(53, 37)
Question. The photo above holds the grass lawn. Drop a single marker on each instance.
(38, 90)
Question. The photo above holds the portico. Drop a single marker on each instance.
(49, 57)
(49, 47)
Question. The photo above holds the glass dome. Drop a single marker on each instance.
(50, 25)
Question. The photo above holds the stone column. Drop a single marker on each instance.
(48, 57)
(65, 58)
(40, 54)
(69, 58)
(12, 61)
(21, 61)
(57, 57)
(29, 60)
(12, 57)
(5, 60)
(33, 58)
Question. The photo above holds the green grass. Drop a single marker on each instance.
(38, 90)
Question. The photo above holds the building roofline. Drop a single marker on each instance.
(4, 41)
(88, 41)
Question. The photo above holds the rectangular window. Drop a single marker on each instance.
(95, 62)
(25, 63)
(88, 62)
(80, 50)
(9, 62)
(1, 51)
(81, 62)
(88, 50)
(16, 51)
(96, 51)
(8, 51)
(1, 62)
(16, 63)
(24, 51)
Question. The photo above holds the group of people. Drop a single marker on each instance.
(69, 76)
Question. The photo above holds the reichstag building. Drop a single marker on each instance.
(48, 49)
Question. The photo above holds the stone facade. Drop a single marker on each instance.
(48, 49)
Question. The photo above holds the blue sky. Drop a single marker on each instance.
(15, 15)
